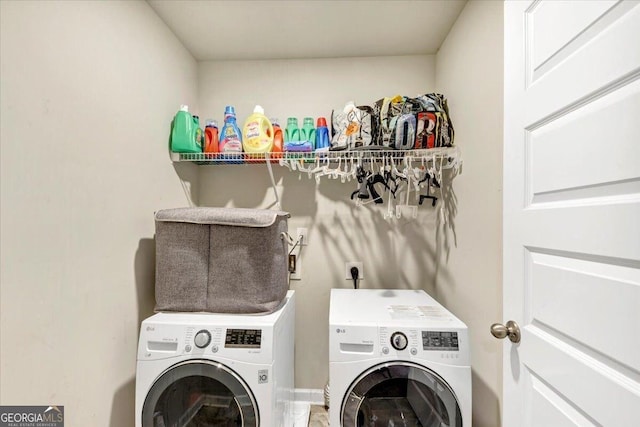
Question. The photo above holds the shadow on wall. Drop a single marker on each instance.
(419, 243)
(242, 185)
(123, 405)
(400, 253)
(299, 195)
(188, 174)
(486, 406)
(145, 274)
(446, 222)
(249, 186)
(374, 243)
(446, 237)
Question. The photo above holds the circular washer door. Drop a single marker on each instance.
(400, 394)
(199, 393)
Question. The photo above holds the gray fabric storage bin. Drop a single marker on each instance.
(221, 260)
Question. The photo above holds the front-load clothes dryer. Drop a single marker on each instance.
(204, 369)
(397, 358)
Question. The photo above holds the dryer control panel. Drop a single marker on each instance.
(445, 345)
(399, 340)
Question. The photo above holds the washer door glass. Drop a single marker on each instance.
(199, 393)
(400, 394)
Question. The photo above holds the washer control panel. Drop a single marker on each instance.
(199, 340)
(434, 344)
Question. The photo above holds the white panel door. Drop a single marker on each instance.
(572, 213)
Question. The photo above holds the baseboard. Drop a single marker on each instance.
(311, 395)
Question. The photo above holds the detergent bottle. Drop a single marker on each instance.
(292, 133)
(308, 132)
(183, 132)
(322, 135)
(278, 140)
(211, 137)
(257, 132)
(199, 134)
(230, 136)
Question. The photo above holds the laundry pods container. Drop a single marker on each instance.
(221, 260)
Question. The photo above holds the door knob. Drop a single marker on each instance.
(512, 330)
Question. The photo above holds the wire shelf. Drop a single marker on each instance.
(447, 155)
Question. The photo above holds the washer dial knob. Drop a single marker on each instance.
(399, 341)
(202, 339)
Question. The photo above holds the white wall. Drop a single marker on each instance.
(469, 71)
(88, 91)
(397, 254)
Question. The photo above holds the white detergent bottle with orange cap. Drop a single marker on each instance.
(257, 132)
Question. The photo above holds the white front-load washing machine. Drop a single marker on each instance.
(397, 358)
(205, 369)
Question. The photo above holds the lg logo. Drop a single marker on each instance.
(340, 331)
(263, 376)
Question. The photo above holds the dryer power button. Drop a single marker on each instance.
(399, 341)
(202, 339)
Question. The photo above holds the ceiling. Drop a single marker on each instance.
(227, 30)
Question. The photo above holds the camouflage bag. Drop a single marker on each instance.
(405, 123)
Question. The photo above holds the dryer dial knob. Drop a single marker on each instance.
(202, 339)
(399, 341)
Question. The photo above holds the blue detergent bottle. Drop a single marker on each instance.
(230, 135)
(322, 142)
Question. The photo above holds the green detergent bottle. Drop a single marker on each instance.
(184, 133)
(292, 132)
(199, 135)
(308, 131)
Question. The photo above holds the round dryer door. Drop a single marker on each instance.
(199, 393)
(400, 394)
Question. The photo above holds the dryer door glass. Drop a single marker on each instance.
(199, 394)
(400, 394)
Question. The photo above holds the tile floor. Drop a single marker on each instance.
(318, 416)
